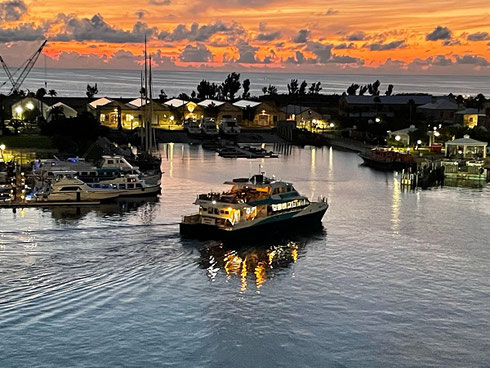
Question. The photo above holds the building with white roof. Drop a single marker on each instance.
(208, 103)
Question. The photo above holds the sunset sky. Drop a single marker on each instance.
(430, 36)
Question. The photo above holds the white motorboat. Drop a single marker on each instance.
(129, 185)
(209, 127)
(229, 126)
(67, 190)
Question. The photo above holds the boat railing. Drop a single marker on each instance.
(323, 199)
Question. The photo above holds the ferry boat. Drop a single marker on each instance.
(253, 204)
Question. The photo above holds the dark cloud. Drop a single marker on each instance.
(472, 60)
(141, 13)
(23, 32)
(201, 33)
(386, 46)
(159, 2)
(247, 53)
(451, 42)
(344, 59)
(439, 33)
(302, 36)
(479, 36)
(96, 29)
(12, 10)
(356, 36)
(323, 52)
(196, 54)
(268, 36)
(344, 46)
(441, 60)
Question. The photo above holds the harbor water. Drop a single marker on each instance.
(394, 278)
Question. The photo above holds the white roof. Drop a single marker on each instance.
(207, 103)
(64, 107)
(100, 102)
(138, 102)
(405, 131)
(175, 102)
(245, 103)
(440, 104)
(466, 141)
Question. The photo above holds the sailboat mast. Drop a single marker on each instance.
(146, 99)
(150, 126)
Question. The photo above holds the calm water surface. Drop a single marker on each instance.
(394, 279)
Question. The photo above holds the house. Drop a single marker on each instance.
(219, 109)
(60, 109)
(29, 108)
(115, 113)
(162, 115)
(466, 148)
(259, 114)
(355, 106)
(439, 110)
(470, 118)
(305, 117)
(184, 110)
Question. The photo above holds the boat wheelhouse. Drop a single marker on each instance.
(252, 204)
(193, 127)
(229, 126)
(209, 127)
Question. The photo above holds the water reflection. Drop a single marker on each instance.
(73, 214)
(255, 262)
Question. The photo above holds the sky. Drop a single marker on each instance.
(349, 36)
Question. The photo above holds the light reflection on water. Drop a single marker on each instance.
(394, 277)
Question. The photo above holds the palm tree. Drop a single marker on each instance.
(52, 93)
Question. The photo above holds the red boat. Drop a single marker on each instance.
(385, 159)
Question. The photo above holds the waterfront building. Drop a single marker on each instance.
(305, 117)
(185, 110)
(219, 109)
(29, 108)
(262, 115)
(355, 106)
(440, 110)
(60, 109)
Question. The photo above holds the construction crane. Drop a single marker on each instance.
(24, 69)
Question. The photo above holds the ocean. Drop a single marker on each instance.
(126, 83)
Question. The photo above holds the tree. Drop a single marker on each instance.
(184, 97)
(231, 85)
(375, 88)
(480, 101)
(302, 88)
(363, 90)
(193, 94)
(92, 90)
(40, 93)
(389, 91)
(352, 90)
(293, 87)
(162, 96)
(56, 113)
(52, 93)
(315, 88)
(246, 89)
(203, 89)
(271, 90)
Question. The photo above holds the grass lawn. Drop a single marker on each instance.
(30, 141)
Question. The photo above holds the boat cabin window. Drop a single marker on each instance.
(69, 189)
(122, 186)
(130, 186)
(110, 162)
(138, 185)
(216, 211)
(210, 210)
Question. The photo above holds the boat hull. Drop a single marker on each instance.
(264, 228)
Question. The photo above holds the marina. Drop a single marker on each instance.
(359, 276)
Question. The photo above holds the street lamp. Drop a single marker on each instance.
(397, 138)
(378, 120)
(30, 106)
(2, 148)
(332, 125)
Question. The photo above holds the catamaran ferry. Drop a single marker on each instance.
(252, 204)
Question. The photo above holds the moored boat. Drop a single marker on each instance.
(252, 205)
(385, 159)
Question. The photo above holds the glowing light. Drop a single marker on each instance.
(419, 142)
(191, 106)
(2, 147)
(18, 110)
(30, 106)
(172, 118)
(213, 202)
(378, 120)
(437, 134)
(332, 125)
(397, 138)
